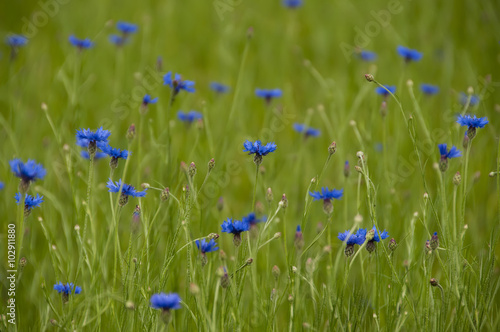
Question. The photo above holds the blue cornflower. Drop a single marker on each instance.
(268, 95)
(87, 138)
(2, 185)
(118, 40)
(409, 54)
(166, 301)
(367, 55)
(236, 228)
(259, 150)
(80, 43)
(127, 190)
(16, 40)
(292, 3)
(204, 246)
(126, 28)
(445, 154)
(189, 117)
(148, 100)
(377, 237)
(27, 172)
(474, 99)
(98, 155)
(177, 84)
(114, 153)
(30, 202)
(299, 238)
(218, 87)
(429, 89)
(327, 195)
(383, 92)
(472, 122)
(252, 219)
(352, 239)
(308, 131)
(67, 289)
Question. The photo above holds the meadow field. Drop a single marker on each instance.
(236, 165)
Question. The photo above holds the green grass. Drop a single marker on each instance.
(119, 265)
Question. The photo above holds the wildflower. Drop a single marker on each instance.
(276, 272)
(268, 95)
(218, 87)
(327, 195)
(409, 54)
(370, 245)
(463, 97)
(98, 155)
(445, 155)
(434, 282)
(252, 219)
(472, 123)
(292, 3)
(131, 132)
(434, 241)
(15, 41)
(258, 149)
(2, 185)
(148, 100)
(177, 84)
(126, 191)
(30, 202)
(66, 290)
(383, 92)
(115, 154)
(236, 228)
(166, 302)
(457, 178)
(352, 239)
(347, 169)
(224, 278)
(135, 225)
(269, 195)
(307, 131)
(428, 249)
(89, 139)
(80, 43)
(204, 247)
(192, 170)
(189, 117)
(211, 164)
(332, 148)
(367, 55)
(429, 89)
(299, 238)
(27, 172)
(283, 202)
(126, 29)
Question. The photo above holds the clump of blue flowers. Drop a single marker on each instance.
(204, 247)
(376, 236)
(66, 290)
(126, 191)
(445, 155)
(268, 94)
(258, 149)
(472, 122)
(235, 227)
(307, 131)
(429, 89)
(177, 84)
(352, 239)
(409, 54)
(30, 202)
(89, 139)
(189, 117)
(126, 29)
(28, 172)
(80, 44)
(114, 153)
(327, 195)
(218, 87)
